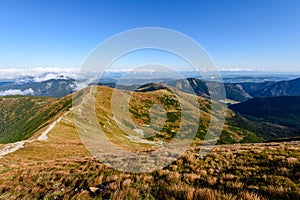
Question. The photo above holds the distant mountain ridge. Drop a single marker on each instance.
(251, 87)
(241, 91)
(51, 88)
(233, 91)
(282, 110)
(281, 88)
(23, 116)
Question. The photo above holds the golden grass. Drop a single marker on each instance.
(61, 168)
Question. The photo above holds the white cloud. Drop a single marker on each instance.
(49, 76)
(82, 84)
(47, 73)
(17, 92)
(48, 86)
(38, 74)
(237, 69)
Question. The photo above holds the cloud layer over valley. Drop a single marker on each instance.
(17, 92)
(37, 74)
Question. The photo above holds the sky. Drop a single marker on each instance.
(243, 34)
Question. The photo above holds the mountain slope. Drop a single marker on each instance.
(283, 110)
(140, 109)
(61, 168)
(233, 91)
(52, 88)
(251, 87)
(282, 88)
(236, 128)
(23, 116)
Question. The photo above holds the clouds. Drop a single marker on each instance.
(237, 69)
(17, 92)
(47, 73)
(37, 74)
(79, 85)
(33, 81)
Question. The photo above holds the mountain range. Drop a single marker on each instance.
(260, 118)
(245, 90)
(281, 88)
(24, 116)
(60, 166)
(52, 88)
(238, 92)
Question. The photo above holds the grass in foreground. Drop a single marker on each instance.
(61, 168)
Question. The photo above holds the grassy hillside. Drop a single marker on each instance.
(237, 129)
(23, 116)
(161, 128)
(61, 168)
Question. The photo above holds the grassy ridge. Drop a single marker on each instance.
(61, 168)
(140, 110)
(22, 116)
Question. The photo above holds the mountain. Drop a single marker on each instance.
(190, 85)
(151, 87)
(52, 88)
(283, 110)
(23, 116)
(251, 87)
(237, 128)
(281, 88)
(240, 91)
(62, 168)
(233, 91)
(2, 83)
(163, 126)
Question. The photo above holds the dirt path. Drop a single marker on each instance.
(12, 147)
(44, 136)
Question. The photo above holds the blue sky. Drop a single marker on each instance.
(254, 34)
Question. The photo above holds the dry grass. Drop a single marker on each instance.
(61, 168)
(292, 160)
